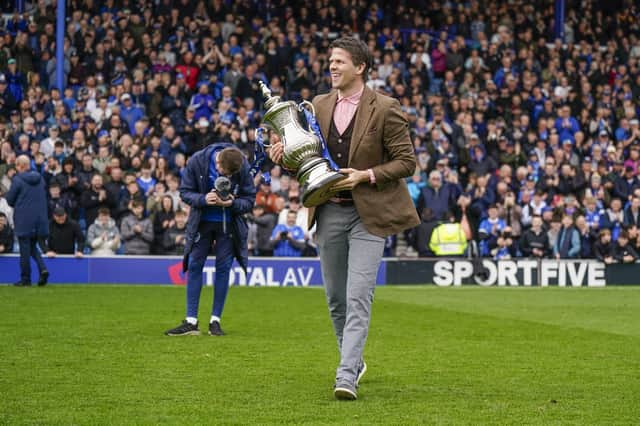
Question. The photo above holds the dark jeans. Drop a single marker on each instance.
(28, 250)
(209, 232)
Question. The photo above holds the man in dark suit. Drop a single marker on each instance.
(28, 197)
(367, 136)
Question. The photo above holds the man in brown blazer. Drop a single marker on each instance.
(368, 138)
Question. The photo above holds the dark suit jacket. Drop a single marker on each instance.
(29, 199)
(381, 142)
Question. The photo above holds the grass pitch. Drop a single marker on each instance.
(97, 355)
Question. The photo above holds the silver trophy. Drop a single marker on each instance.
(302, 148)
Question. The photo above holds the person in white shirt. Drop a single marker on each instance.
(47, 144)
(302, 219)
(102, 112)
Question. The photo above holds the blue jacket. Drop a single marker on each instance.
(567, 246)
(29, 199)
(193, 189)
(441, 203)
(487, 237)
(131, 115)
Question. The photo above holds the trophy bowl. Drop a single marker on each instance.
(303, 151)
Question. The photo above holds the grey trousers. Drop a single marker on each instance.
(349, 257)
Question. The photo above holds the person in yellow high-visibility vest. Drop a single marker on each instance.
(448, 239)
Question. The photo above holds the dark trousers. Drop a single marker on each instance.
(208, 233)
(28, 250)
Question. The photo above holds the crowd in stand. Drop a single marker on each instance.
(531, 140)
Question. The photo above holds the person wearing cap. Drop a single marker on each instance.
(15, 80)
(65, 235)
(66, 132)
(439, 196)
(129, 112)
(8, 102)
(218, 204)
(203, 136)
(28, 198)
(603, 137)
(267, 198)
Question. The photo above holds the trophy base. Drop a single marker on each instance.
(317, 180)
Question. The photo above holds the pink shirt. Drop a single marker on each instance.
(345, 109)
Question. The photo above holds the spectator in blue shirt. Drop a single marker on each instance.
(203, 102)
(129, 112)
(146, 182)
(566, 125)
(490, 230)
(288, 239)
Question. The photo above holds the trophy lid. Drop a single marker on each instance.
(266, 93)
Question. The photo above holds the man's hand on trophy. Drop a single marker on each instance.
(354, 177)
(276, 150)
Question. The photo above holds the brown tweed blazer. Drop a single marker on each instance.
(380, 142)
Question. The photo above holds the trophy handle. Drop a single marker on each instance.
(309, 105)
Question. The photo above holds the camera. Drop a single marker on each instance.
(222, 185)
(283, 235)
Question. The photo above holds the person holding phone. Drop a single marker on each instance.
(288, 239)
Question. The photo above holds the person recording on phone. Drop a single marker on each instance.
(218, 186)
(288, 239)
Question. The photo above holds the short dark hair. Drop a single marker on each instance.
(359, 51)
(104, 211)
(231, 159)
